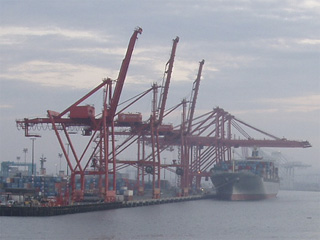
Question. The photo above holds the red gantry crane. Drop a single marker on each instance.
(101, 131)
(148, 133)
(185, 148)
(156, 121)
(145, 134)
(211, 139)
(193, 100)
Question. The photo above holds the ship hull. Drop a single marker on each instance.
(243, 186)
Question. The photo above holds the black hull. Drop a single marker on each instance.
(243, 186)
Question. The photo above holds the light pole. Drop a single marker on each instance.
(25, 150)
(56, 169)
(18, 172)
(164, 169)
(60, 156)
(68, 157)
(68, 172)
(32, 168)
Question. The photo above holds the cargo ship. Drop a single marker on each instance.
(253, 178)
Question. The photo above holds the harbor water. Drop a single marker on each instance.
(292, 215)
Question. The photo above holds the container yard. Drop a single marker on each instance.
(96, 180)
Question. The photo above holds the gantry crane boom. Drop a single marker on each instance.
(278, 143)
(165, 90)
(122, 74)
(194, 96)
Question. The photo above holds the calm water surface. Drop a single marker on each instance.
(292, 215)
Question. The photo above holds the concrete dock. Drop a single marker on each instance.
(90, 207)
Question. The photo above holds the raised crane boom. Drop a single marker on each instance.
(194, 96)
(165, 90)
(122, 74)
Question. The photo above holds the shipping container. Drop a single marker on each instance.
(119, 198)
(128, 193)
(82, 112)
(165, 128)
(129, 118)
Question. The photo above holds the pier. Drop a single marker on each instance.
(34, 211)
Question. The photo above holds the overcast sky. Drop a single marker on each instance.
(262, 61)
